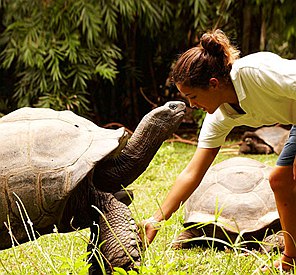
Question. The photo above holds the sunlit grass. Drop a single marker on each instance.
(51, 254)
(65, 253)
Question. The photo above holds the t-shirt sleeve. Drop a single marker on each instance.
(214, 130)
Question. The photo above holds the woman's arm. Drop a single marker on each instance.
(186, 182)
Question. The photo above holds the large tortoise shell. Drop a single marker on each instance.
(44, 155)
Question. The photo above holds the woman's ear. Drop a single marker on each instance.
(214, 82)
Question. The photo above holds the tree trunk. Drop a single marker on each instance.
(251, 28)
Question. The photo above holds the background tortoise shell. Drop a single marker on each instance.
(234, 197)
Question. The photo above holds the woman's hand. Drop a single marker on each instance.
(148, 230)
(184, 186)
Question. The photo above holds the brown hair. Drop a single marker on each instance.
(212, 57)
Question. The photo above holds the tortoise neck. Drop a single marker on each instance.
(133, 160)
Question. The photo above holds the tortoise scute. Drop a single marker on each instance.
(24, 186)
(228, 177)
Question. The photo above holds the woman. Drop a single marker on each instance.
(258, 89)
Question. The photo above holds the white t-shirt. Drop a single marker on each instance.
(265, 85)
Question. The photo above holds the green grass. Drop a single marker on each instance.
(65, 253)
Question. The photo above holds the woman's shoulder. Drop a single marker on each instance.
(255, 60)
(252, 63)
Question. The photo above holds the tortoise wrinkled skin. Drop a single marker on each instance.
(233, 202)
(68, 172)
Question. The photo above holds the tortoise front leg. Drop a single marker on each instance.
(117, 232)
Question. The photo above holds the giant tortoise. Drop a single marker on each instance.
(265, 140)
(234, 202)
(65, 171)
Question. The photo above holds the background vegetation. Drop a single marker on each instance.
(109, 60)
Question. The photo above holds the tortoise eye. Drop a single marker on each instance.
(173, 106)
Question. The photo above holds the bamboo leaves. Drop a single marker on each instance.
(55, 48)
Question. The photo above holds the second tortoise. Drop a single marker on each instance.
(234, 202)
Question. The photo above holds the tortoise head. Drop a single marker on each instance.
(164, 120)
(154, 128)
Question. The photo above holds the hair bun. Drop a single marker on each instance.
(211, 43)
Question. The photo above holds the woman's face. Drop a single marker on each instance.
(207, 99)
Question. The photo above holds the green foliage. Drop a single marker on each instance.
(121, 271)
(56, 47)
(57, 253)
(199, 116)
(282, 28)
(73, 266)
